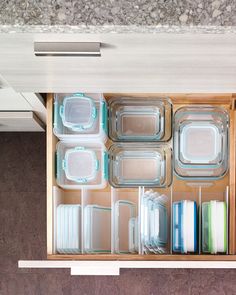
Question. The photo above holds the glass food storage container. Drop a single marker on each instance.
(143, 164)
(201, 142)
(140, 119)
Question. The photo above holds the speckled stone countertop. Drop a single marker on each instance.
(98, 16)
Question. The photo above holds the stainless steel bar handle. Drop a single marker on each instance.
(67, 48)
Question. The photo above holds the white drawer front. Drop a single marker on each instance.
(113, 267)
(128, 63)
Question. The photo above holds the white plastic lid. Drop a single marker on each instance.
(221, 227)
(188, 226)
(200, 143)
(214, 226)
(78, 112)
(218, 221)
(80, 164)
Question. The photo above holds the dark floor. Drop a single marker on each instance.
(23, 236)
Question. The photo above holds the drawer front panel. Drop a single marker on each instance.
(128, 63)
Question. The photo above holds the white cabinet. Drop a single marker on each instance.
(13, 101)
(21, 111)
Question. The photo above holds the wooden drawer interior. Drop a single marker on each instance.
(217, 190)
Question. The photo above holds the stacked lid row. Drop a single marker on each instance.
(195, 226)
(141, 131)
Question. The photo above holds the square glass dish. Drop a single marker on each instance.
(80, 115)
(201, 142)
(140, 119)
(143, 164)
(81, 165)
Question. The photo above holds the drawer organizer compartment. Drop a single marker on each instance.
(214, 220)
(146, 193)
(155, 221)
(125, 220)
(96, 221)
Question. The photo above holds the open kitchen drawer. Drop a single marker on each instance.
(110, 263)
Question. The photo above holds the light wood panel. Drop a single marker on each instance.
(51, 145)
(133, 257)
(232, 178)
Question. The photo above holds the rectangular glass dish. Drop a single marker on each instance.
(140, 119)
(133, 165)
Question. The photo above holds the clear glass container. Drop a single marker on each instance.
(140, 119)
(132, 165)
(81, 165)
(201, 142)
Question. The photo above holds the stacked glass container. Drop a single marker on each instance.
(201, 142)
(140, 126)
